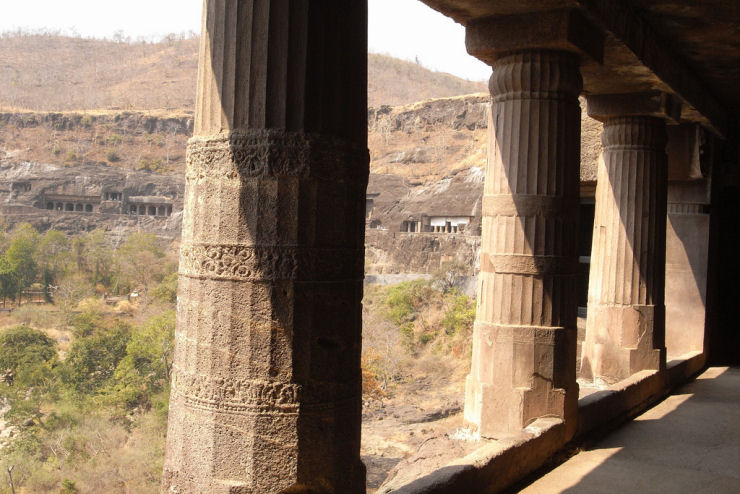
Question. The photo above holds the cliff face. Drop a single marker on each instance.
(89, 197)
(130, 140)
(424, 195)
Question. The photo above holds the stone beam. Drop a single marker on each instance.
(562, 30)
(648, 104)
(266, 387)
(654, 53)
(636, 57)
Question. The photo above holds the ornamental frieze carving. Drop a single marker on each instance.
(273, 153)
(234, 394)
(269, 263)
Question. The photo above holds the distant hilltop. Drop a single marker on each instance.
(54, 73)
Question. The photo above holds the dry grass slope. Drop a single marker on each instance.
(53, 73)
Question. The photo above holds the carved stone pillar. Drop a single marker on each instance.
(625, 325)
(525, 331)
(266, 387)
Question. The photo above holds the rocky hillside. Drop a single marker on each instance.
(49, 72)
(153, 140)
(91, 197)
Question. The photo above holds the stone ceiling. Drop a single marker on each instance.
(685, 47)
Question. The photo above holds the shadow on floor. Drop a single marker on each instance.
(690, 442)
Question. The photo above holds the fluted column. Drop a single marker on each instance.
(525, 331)
(626, 311)
(266, 387)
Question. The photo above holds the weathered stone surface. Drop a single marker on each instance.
(626, 312)
(525, 332)
(266, 380)
(687, 253)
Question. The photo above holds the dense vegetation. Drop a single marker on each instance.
(85, 390)
(86, 384)
(70, 269)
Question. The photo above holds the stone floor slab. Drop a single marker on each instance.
(690, 442)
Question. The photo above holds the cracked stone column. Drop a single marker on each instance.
(525, 331)
(625, 325)
(266, 387)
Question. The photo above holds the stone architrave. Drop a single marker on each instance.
(625, 325)
(266, 386)
(524, 340)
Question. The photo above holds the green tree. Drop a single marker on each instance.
(54, 256)
(95, 258)
(94, 356)
(21, 255)
(141, 261)
(8, 280)
(28, 355)
(147, 367)
(166, 291)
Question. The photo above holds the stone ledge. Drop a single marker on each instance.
(497, 465)
(606, 409)
(492, 467)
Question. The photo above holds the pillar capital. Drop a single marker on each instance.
(568, 30)
(541, 74)
(656, 104)
(634, 132)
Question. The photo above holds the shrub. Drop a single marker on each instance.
(145, 370)
(93, 358)
(406, 298)
(152, 165)
(166, 291)
(115, 139)
(460, 313)
(112, 156)
(29, 355)
(68, 487)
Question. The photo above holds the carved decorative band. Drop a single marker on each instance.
(269, 263)
(687, 208)
(529, 205)
(503, 333)
(274, 153)
(254, 396)
(236, 395)
(528, 264)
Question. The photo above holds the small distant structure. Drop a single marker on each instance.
(435, 224)
(149, 206)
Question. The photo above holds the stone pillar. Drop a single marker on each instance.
(625, 324)
(266, 387)
(525, 331)
(687, 238)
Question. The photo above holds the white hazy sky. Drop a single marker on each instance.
(405, 29)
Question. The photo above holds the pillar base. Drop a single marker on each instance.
(620, 342)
